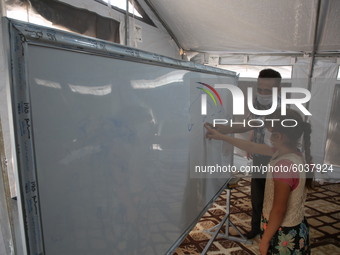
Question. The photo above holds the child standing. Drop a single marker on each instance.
(284, 227)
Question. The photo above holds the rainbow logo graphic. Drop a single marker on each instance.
(204, 97)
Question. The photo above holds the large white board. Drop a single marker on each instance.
(106, 144)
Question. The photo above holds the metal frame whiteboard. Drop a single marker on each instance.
(42, 51)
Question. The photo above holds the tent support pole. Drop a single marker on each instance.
(314, 49)
(295, 54)
(127, 36)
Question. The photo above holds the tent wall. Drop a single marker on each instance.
(6, 240)
(322, 87)
(154, 39)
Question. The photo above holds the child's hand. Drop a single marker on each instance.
(223, 129)
(212, 133)
(263, 246)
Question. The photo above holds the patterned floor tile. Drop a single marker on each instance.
(322, 212)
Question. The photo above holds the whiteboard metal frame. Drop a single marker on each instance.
(205, 209)
(21, 36)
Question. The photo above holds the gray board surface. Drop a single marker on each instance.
(107, 137)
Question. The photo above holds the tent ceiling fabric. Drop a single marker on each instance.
(250, 26)
(330, 26)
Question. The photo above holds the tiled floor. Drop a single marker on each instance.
(322, 212)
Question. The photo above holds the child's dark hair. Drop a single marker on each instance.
(293, 135)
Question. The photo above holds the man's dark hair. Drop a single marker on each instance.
(270, 73)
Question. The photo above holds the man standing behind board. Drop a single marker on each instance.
(267, 79)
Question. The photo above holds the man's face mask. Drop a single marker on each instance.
(264, 99)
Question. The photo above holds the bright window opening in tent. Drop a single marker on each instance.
(62, 16)
(338, 74)
(28, 16)
(249, 71)
(121, 4)
(135, 10)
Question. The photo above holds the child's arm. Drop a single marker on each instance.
(236, 128)
(239, 143)
(277, 213)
